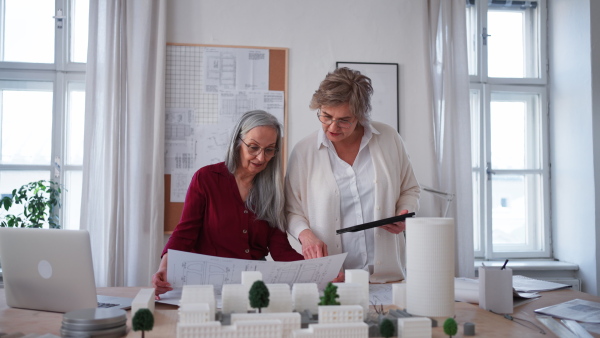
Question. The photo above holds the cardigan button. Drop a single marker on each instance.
(245, 211)
(247, 250)
(245, 231)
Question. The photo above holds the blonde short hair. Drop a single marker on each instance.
(345, 85)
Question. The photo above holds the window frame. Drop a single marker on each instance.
(480, 12)
(484, 85)
(60, 73)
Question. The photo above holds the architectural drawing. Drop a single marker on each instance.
(189, 268)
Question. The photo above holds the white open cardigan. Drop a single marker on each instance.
(313, 198)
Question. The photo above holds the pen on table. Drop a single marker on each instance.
(504, 266)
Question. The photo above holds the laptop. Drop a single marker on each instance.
(51, 270)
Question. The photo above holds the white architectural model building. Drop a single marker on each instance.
(192, 294)
(249, 277)
(280, 298)
(340, 314)
(197, 312)
(290, 321)
(359, 277)
(305, 296)
(346, 330)
(414, 327)
(352, 294)
(143, 300)
(399, 295)
(234, 298)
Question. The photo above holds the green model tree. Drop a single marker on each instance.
(259, 295)
(143, 320)
(330, 295)
(450, 327)
(386, 328)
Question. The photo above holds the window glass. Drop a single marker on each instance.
(75, 124)
(513, 43)
(26, 114)
(515, 135)
(516, 212)
(79, 30)
(28, 35)
(72, 195)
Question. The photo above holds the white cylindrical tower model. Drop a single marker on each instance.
(430, 248)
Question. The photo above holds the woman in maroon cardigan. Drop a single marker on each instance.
(235, 208)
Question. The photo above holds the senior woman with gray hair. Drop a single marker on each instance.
(235, 208)
(349, 172)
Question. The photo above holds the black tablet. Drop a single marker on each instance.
(374, 224)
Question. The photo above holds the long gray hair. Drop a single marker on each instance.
(266, 197)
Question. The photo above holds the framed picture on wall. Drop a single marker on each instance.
(384, 78)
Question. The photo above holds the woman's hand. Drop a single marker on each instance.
(341, 277)
(312, 246)
(396, 227)
(159, 279)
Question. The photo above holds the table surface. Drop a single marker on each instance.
(486, 323)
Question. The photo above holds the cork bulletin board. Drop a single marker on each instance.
(207, 87)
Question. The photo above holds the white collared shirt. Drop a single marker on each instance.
(356, 187)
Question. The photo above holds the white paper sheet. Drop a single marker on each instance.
(576, 309)
(190, 268)
(380, 294)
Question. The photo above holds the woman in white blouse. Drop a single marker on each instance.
(351, 171)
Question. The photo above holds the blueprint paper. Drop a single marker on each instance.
(195, 269)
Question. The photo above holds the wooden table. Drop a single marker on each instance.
(487, 324)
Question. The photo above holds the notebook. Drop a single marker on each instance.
(50, 270)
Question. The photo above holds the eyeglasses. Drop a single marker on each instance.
(327, 120)
(255, 150)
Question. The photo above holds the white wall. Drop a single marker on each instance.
(574, 144)
(319, 33)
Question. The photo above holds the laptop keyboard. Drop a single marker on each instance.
(106, 305)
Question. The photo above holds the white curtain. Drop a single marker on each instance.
(449, 86)
(123, 201)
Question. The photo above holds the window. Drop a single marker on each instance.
(43, 50)
(508, 72)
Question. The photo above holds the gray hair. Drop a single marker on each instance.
(345, 85)
(266, 198)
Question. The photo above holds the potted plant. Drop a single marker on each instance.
(40, 201)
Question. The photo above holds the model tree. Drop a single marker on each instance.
(330, 295)
(386, 328)
(143, 320)
(450, 327)
(259, 295)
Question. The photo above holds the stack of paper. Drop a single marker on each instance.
(526, 284)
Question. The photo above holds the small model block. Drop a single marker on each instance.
(291, 321)
(210, 329)
(305, 296)
(340, 314)
(249, 277)
(280, 298)
(345, 330)
(143, 300)
(358, 276)
(194, 313)
(234, 298)
(259, 328)
(414, 327)
(399, 295)
(199, 294)
(352, 294)
(242, 329)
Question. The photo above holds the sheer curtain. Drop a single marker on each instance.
(449, 86)
(122, 201)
